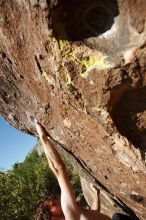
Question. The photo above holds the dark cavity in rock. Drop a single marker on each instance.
(78, 20)
(129, 115)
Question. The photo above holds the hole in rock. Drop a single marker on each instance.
(136, 198)
(129, 115)
(79, 19)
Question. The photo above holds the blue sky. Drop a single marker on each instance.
(14, 145)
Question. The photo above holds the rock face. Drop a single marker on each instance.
(80, 68)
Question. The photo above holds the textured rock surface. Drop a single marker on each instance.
(80, 68)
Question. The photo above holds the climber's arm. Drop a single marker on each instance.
(68, 200)
(96, 199)
(55, 162)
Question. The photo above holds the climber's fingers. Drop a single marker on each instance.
(40, 130)
(94, 189)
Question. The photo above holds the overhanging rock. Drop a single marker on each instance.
(80, 68)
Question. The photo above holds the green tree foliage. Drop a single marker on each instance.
(27, 183)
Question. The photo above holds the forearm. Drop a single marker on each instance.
(95, 205)
(96, 200)
(51, 153)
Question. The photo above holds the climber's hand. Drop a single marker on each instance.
(40, 130)
(95, 190)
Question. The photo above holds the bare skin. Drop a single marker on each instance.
(71, 210)
(96, 199)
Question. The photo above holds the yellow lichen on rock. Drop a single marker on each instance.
(44, 74)
(62, 45)
(88, 58)
(67, 79)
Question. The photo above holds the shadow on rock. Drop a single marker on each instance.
(77, 20)
(129, 115)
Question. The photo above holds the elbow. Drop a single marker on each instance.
(61, 167)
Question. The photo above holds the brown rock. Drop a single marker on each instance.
(80, 68)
